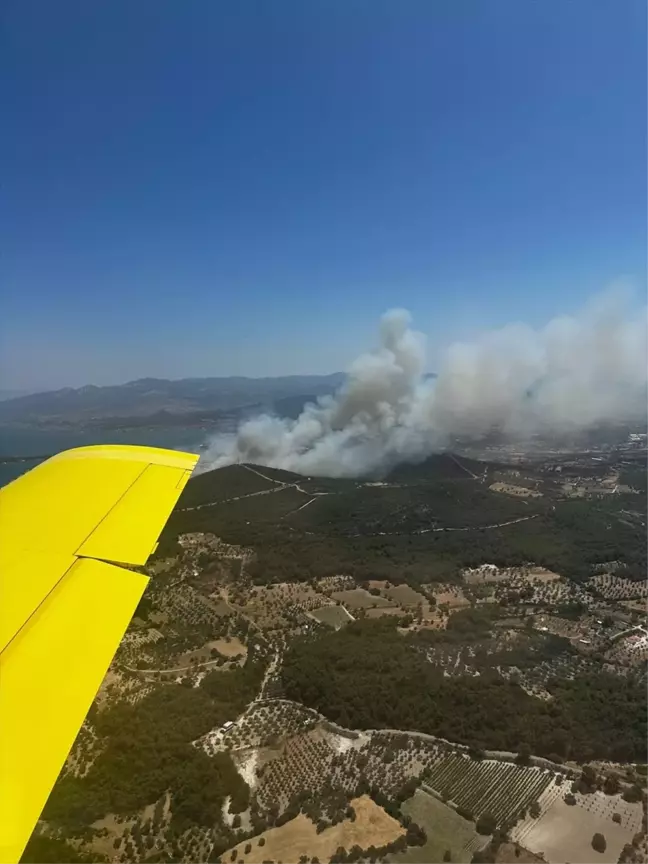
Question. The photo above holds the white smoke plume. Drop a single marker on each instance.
(573, 374)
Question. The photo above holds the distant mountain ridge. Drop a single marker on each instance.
(147, 397)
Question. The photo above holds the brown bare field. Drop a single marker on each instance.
(634, 605)
(380, 584)
(512, 853)
(233, 648)
(108, 828)
(405, 596)
(519, 491)
(372, 827)
(358, 598)
(542, 575)
(564, 832)
(452, 596)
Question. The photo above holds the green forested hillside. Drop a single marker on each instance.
(369, 676)
(418, 529)
(146, 750)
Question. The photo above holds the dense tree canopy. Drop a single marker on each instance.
(370, 531)
(148, 751)
(47, 850)
(369, 676)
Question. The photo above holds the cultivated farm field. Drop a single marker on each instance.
(358, 598)
(405, 596)
(385, 610)
(488, 786)
(445, 830)
(333, 616)
(614, 587)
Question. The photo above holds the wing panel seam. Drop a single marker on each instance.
(107, 514)
(35, 610)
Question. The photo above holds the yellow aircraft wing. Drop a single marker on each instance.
(65, 603)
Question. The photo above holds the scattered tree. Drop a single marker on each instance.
(633, 794)
(599, 843)
(611, 784)
(486, 824)
(524, 754)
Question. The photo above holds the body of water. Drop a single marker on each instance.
(39, 442)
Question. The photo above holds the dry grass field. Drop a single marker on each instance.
(541, 575)
(232, 647)
(511, 853)
(333, 616)
(372, 827)
(445, 830)
(564, 832)
(405, 596)
(450, 595)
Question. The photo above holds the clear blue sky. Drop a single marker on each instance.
(237, 187)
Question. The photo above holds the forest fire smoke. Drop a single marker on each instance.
(573, 374)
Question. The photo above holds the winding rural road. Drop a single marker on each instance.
(433, 530)
(312, 496)
(279, 487)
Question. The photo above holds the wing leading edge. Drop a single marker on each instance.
(65, 604)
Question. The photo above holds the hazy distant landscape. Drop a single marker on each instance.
(160, 413)
(156, 402)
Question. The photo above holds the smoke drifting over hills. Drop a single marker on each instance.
(573, 374)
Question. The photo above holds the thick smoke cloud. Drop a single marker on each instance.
(573, 374)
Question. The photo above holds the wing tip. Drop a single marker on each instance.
(135, 452)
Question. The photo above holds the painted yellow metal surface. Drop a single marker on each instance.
(51, 672)
(62, 611)
(130, 531)
(26, 577)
